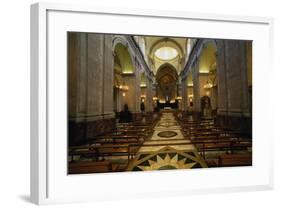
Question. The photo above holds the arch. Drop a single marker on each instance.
(123, 64)
(173, 52)
(167, 78)
(122, 40)
(207, 57)
(167, 68)
(208, 73)
(123, 58)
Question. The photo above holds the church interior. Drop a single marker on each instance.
(138, 103)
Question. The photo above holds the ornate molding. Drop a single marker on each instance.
(140, 57)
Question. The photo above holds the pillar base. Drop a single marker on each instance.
(80, 131)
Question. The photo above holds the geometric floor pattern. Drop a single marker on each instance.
(163, 153)
(165, 159)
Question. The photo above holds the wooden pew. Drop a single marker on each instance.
(148, 130)
(90, 167)
(141, 133)
(102, 151)
(227, 160)
(115, 138)
(204, 146)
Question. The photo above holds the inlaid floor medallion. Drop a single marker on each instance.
(167, 134)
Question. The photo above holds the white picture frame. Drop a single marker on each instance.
(49, 181)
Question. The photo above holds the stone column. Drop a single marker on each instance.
(108, 73)
(149, 96)
(189, 93)
(237, 78)
(130, 95)
(120, 102)
(77, 86)
(184, 95)
(95, 76)
(222, 79)
(77, 75)
(154, 94)
(179, 94)
(233, 103)
(137, 90)
(214, 97)
(196, 88)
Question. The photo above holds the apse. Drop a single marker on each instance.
(167, 83)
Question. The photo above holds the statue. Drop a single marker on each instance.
(206, 106)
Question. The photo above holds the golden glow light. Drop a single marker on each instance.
(129, 71)
(208, 85)
(142, 85)
(166, 53)
(124, 87)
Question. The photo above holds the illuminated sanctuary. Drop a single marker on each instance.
(141, 103)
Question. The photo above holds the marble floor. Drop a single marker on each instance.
(167, 149)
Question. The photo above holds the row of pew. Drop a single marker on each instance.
(111, 151)
(219, 146)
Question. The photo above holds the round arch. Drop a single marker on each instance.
(208, 75)
(207, 57)
(167, 78)
(123, 56)
(167, 68)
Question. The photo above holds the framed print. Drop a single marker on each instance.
(133, 103)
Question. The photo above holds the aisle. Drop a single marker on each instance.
(167, 149)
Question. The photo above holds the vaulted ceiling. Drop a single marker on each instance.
(159, 51)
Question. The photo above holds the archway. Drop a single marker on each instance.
(124, 58)
(123, 66)
(208, 74)
(167, 78)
